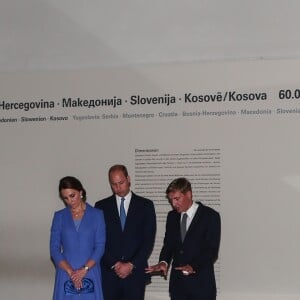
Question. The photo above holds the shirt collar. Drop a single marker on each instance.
(192, 210)
(127, 197)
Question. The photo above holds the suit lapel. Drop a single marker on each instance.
(132, 207)
(132, 212)
(178, 219)
(114, 208)
(195, 220)
(115, 212)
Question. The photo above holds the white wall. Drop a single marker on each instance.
(259, 163)
(261, 171)
(72, 34)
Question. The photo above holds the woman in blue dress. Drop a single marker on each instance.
(77, 244)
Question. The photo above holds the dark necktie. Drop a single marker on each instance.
(183, 226)
(122, 213)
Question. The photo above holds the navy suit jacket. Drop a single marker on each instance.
(199, 249)
(135, 243)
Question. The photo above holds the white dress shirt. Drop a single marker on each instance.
(190, 214)
(126, 202)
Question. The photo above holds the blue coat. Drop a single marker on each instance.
(77, 247)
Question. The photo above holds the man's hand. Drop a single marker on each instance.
(123, 269)
(186, 270)
(160, 267)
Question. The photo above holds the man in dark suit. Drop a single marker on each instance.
(130, 234)
(191, 242)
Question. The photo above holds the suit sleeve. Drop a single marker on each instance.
(107, 259)
(149, 236)
(166, 252)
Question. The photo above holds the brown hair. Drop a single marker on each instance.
(180, 184)
(70, 182)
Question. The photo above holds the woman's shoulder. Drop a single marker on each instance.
(93, 210)
(60, 213)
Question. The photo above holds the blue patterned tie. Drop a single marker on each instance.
(122, 213)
